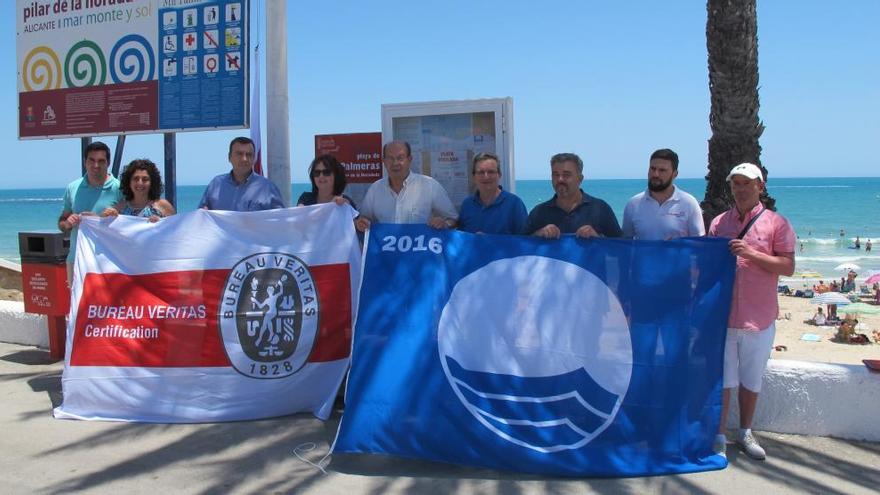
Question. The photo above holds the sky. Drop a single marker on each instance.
(611, 81)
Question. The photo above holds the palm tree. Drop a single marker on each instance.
(732, 42)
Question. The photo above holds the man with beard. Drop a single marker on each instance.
(664, 211)
(571, 210)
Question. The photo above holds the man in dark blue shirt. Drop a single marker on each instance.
(571, 210)
(491, 210)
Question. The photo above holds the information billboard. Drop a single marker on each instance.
(446, 135)
(92, 67)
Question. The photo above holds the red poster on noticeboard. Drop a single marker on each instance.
(360, 154)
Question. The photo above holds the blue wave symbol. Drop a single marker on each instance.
(132, 56)
(547, 414)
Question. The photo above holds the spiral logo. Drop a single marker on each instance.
(41, 70)
(131, 59)
(85, 65)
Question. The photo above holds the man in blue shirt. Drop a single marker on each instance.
(241, 189)
(88, 195)
(571, 210)
(491, 210)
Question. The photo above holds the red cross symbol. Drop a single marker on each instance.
(189, 40)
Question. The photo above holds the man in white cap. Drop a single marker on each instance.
(763, 242)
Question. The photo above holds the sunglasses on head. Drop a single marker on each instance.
(326, 172)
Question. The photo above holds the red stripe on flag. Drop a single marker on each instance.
(334, 326)
(187, 334)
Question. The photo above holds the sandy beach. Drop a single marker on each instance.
(789, 333)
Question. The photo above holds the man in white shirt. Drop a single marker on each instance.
(663, 211)
(405, 197)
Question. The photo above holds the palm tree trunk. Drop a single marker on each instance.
(732, 42)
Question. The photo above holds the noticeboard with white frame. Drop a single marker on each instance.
(446, 135)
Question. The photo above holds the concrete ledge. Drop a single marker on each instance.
(819, 399)
(18, 327)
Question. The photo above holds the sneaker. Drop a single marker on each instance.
(719, 445)
(750, 446)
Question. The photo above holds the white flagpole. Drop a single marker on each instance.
(277, 116)
(256, 135)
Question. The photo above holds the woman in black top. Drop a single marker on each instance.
(328, 181)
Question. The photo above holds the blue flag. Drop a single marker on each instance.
(571, 357)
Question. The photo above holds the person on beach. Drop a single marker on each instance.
(831, 312)
(819, 317)
(868, 246)
(571, 210)
(241, 189)
(491, 210)
(88, 195)
(763, 242)
(328, 181)
(403, 196)
(858, 243)
(663, 211)
(141, 186)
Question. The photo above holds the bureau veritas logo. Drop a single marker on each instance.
(269, 315)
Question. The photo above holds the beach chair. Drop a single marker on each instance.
(863, 290)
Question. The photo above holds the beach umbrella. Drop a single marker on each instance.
(873, 279)
(860, 309)
(847, 267)
(831, 298)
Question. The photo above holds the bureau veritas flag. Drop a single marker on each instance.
(211, 315)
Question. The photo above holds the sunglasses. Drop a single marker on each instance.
(326, 172)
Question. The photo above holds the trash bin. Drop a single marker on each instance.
(44, 281)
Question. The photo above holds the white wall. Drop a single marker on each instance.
(18, 327)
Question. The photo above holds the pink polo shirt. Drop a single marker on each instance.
(755, 304)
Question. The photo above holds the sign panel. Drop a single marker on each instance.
(91, 67)
(360, 154)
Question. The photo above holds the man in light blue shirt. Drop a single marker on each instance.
(88, 195)
(491, 210)
(241, 189)
(664, 211)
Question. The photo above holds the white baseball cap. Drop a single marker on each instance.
(749, 170)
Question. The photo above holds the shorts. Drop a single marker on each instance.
(745, 356)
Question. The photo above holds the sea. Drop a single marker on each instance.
(827, 214)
